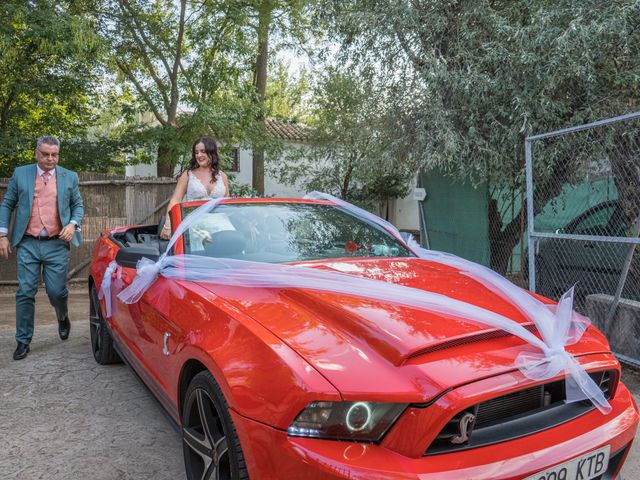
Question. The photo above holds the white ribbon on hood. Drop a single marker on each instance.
(557, 329)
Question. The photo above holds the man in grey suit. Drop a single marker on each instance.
(48, 213)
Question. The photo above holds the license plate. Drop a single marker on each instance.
(588, 466)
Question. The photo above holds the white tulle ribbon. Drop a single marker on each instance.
(105, 286)
(557, 329)
(147, 272)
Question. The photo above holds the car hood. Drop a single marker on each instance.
(371, 349)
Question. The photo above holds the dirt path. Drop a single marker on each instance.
(45, 315)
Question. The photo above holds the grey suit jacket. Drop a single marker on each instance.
(19, 197)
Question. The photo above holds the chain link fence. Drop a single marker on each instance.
(583, 212)
(109, 201)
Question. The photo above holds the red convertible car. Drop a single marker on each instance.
(301, 383)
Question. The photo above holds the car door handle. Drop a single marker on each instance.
(165, 339)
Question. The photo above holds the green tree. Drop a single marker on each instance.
(287, 96)
(49, 76)
(349, 151)
(469, 80)
(186, 64)
(282, 19)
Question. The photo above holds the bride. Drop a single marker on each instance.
(202, 180)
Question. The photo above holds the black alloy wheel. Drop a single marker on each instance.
(101, 342)
(210, 444)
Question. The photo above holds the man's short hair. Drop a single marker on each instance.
(47, 140)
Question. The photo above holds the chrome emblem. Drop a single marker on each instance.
(465, 427)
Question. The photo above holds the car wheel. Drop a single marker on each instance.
(209, 439)
(101, 342)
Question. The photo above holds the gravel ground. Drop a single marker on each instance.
(64, 417)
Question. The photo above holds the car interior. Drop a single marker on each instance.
(147, 235)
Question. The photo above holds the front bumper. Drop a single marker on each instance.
(271, 454)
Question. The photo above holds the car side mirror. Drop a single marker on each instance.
(129, 256)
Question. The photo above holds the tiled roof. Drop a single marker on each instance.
(295, 132)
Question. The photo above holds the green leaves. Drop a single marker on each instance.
(350, 152)
(48, 76)
(467, 81)
(488, 73)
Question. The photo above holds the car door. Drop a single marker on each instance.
(170, 312)
(146, 329)
(594, 265)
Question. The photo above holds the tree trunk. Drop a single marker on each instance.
(503, 240)
(166, 163)
(501, 245)
(260, 83)
(258, 170)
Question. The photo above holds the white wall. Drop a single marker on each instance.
(272, 187)
(406, 214)
(245, 175)
(141, 170)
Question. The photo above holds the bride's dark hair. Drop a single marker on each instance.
(211, 149)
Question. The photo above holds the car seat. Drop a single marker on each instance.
(225, 243)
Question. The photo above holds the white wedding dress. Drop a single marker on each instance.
(197, 191)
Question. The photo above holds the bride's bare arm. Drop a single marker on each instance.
(178, 194)
(226, 183)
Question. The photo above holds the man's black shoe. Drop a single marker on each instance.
(21, 351)
(63, 328)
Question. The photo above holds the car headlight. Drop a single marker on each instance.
(358, 421)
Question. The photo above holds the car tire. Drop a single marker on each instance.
(209, 440)
(101, 342)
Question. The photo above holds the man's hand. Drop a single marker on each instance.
(5, 248)
(67, 232)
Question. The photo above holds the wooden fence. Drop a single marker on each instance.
(109, 201)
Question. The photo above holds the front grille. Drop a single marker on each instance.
(515, 415)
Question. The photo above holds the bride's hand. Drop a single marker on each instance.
(165, 234)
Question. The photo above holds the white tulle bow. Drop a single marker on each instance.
(105, 286)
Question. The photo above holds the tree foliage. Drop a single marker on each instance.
(288, 95)
(348, 151)
(482, 75)
(186, 64)
(49, 76)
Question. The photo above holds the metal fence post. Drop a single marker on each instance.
(530, 238)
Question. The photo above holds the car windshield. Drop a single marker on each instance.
(287, 232)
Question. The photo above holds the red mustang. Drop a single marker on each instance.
(270, 382)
